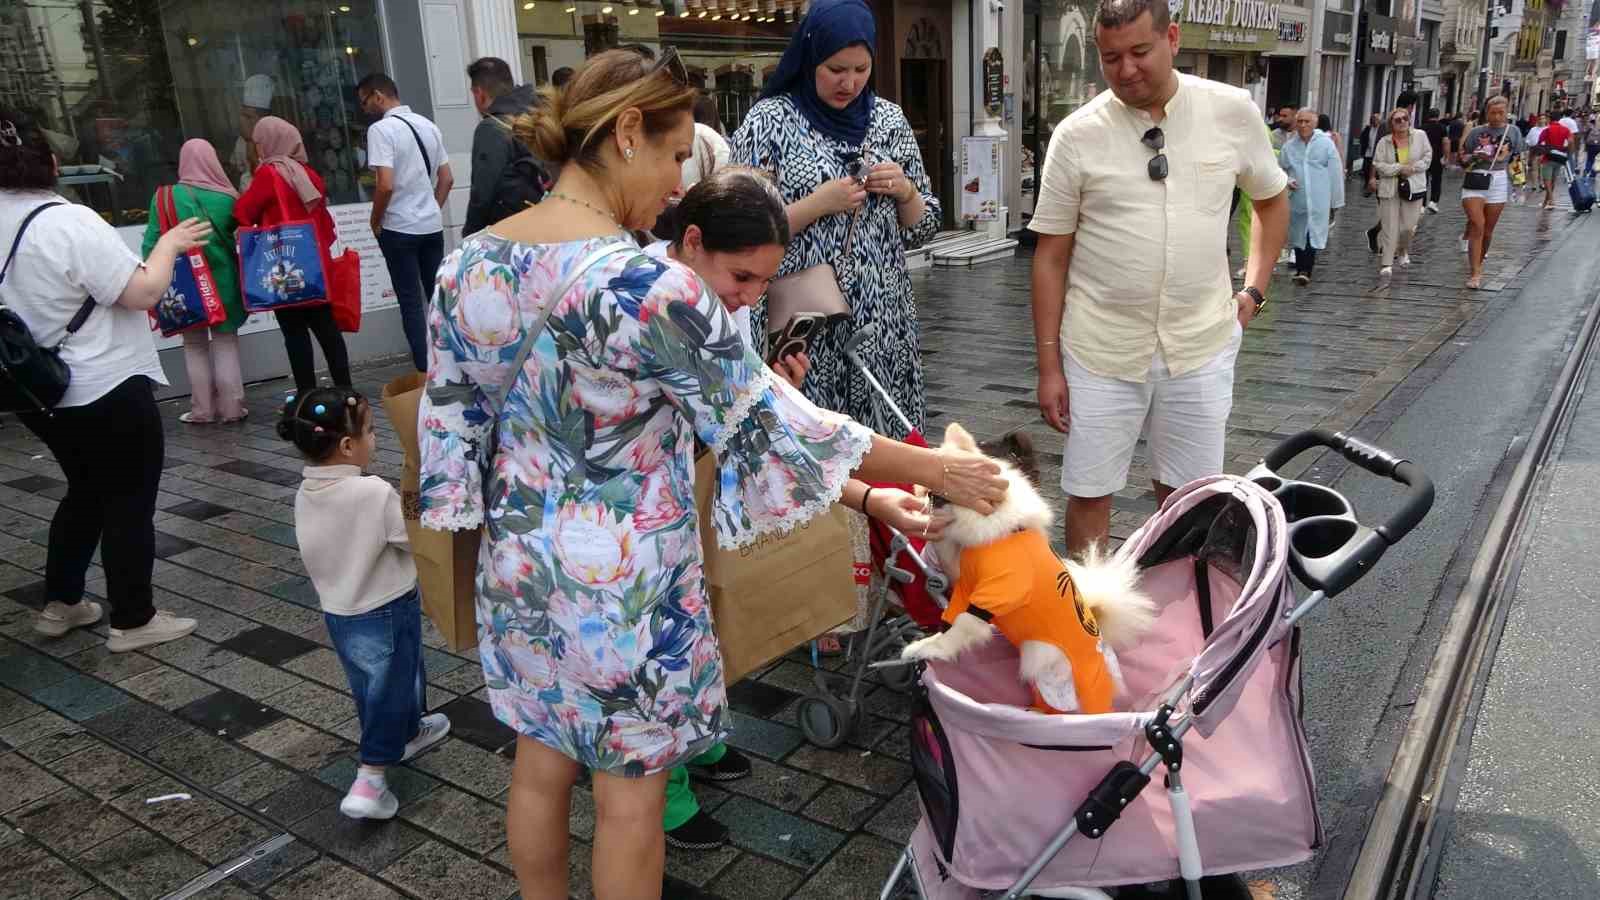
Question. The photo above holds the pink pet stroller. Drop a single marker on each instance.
(1016, 803)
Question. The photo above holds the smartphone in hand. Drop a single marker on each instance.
(797, 337)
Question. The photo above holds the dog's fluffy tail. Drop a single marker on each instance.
(1109, 587)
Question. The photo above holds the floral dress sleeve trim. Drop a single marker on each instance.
(782, 463)
(762, 382)
(455, 417)
(780, 460)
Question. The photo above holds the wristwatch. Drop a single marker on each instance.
(1259, 298)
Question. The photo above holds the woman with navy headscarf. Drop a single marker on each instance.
(817, 118)
(817, 123)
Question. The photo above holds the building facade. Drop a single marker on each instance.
(120, 84)
(1460, 54)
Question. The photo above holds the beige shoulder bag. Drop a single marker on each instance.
(810, 290)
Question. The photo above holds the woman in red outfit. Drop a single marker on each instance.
(285, 188)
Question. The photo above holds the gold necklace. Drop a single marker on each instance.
(589, 206)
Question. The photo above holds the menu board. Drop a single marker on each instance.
(980, 178)
(350, 222)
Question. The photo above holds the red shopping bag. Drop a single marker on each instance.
(344, 290)
(191, 300)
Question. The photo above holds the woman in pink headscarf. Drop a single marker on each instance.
(211, 356)
(285, 188)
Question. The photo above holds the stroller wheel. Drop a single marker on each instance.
(826, 720)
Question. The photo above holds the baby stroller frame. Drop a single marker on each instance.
(829, 719)
(826, 717)
(1328, 550)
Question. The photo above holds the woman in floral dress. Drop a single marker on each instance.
(818, 115)
(595, 633)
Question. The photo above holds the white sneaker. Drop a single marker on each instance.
(362, 802)
(1433, 207)
(1385, 273)
(434, 728)
(1466, 246)
(1404, 260)
(57, 618)
(162, 628)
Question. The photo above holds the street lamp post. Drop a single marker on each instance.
(1483, 61)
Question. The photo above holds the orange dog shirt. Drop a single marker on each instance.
(1020, 583)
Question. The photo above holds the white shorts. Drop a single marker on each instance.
(1185, 419)
(1499, 189)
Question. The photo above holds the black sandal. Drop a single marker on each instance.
(699, 833)
(731, 767)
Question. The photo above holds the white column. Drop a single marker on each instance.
(493, 32)
(987, 34)
(1312, 68)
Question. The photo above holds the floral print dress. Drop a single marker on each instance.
(593, 615)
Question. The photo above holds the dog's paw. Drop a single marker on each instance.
(928, 648)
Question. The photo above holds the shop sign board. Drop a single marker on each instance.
(994, 80)
(1294, 32)
(1382, 38)
(1238, 25)
(1338, 32)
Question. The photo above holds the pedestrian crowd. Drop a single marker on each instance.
(625, 298)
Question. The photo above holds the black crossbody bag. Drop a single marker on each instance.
(32, 378)
(1483, 179)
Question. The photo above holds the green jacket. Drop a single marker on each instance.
(221, 252)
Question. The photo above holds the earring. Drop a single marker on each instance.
(627, 154)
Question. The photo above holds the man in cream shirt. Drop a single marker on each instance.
(1136, 321)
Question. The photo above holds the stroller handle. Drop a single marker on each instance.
(1380, 462)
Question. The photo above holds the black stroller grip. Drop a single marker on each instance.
(1419, 497)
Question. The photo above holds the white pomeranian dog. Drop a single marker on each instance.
(1065, 618)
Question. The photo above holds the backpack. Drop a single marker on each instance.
(522, 183)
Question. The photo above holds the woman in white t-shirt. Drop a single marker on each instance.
(105, 434)
(710, 150)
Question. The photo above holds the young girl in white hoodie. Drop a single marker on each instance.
(353, 542)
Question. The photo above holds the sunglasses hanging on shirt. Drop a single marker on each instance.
(1156, 140)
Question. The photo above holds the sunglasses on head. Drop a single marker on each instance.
(673, 65)
(1156, 140)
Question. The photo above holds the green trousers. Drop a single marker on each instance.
(681, 804)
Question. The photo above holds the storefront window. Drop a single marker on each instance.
(729, 48)
(121, 84)
(1061, 73)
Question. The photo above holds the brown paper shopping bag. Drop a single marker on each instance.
(447, 561)
(778, 593)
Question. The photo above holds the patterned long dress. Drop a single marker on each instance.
(593, 619)
(776, 138)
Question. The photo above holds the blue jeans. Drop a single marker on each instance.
(382, 655)
(413, 262)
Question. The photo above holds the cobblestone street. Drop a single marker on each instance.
(251, 715)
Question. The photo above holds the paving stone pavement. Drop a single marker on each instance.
(251, 717)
